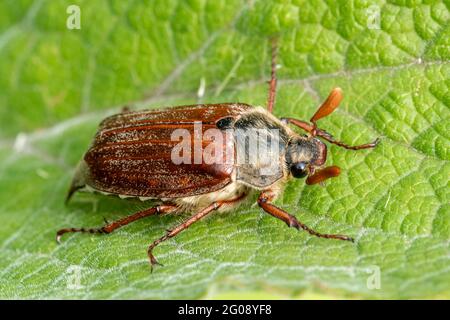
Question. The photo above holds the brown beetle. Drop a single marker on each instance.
(132, 156)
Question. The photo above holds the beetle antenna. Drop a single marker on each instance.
(327, 107)
(321, 175)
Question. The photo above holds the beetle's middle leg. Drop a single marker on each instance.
(110, 227)
(186, 224)
(264, 201)
(273, 76)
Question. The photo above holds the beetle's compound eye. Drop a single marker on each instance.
(298, 169)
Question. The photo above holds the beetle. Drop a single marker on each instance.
(132, 156)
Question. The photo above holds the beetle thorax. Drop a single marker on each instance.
(260, 141)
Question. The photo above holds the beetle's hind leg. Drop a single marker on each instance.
(264, 201)
(110, 227)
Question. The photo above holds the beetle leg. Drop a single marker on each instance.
(173, 232)
(308, 127)
(273, 78)
(372, 144)
(110, 227)
(326, 136)
(170, 233)
(264, 201)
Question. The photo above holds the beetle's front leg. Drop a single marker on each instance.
(326, 136)
(264, 201)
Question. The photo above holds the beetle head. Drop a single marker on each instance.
(304, 155)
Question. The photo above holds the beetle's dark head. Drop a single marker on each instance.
(304, 155)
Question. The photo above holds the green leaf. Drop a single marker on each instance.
(57, 84)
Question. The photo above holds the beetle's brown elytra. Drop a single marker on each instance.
(132, 155)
